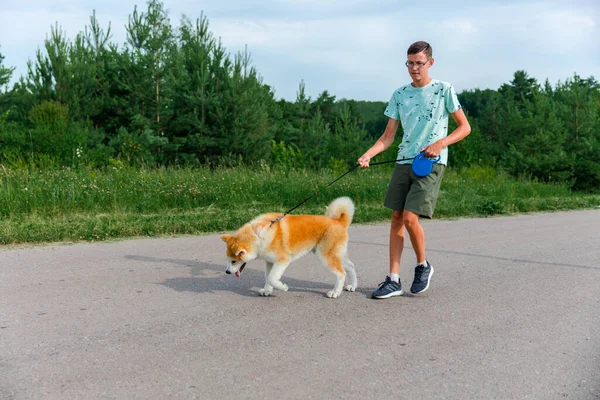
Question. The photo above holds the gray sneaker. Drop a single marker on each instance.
(422, 278)
(387, 289)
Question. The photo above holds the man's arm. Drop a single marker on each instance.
(382, 143)
(461, 131)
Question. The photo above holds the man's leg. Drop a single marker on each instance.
(395, 198)
(396, 241)
(416, 233)
(392, 286)
(423, 270)
(421, 201)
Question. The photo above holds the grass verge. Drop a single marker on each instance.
(92, 205)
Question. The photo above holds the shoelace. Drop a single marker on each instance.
(419, 271)
(387, 280)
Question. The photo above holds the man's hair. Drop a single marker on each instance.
(420, 46)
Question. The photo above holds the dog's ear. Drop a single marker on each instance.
(240, 252)
(225, 237)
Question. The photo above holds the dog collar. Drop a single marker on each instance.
(277, 219)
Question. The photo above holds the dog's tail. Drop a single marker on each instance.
(341, 209)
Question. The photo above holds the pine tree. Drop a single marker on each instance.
(5, 73)
(580, 111)
(540, 150)
(146, 61)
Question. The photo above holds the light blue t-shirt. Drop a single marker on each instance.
(423, 113)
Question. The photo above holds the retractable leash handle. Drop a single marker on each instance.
(422, 165)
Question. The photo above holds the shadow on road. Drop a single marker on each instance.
(210, 278)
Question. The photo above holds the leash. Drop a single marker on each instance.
(334, 181)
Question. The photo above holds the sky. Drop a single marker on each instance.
(354, 49)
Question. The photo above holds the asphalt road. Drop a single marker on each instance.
(513, 312)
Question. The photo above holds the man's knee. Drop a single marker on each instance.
(397, 219)
(410, 219)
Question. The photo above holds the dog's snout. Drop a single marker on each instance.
(227, 271)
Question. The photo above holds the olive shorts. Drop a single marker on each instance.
(406, 191)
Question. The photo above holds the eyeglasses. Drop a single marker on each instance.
(417, 64)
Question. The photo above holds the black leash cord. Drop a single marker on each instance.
(331, 183)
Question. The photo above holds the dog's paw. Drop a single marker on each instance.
(332, 294)
(284, 287)
(349, 288)
(263, 292)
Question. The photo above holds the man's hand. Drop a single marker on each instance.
(381, 144)
(364, 160)
(433, 150)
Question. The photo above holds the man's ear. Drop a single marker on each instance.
(225, 237)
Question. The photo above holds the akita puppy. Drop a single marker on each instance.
(283, 241)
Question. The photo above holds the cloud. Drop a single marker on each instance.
(355, 48)
(27, 30)
(264, 34)
(565, 30)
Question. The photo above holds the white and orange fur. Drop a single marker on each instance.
(290, 238)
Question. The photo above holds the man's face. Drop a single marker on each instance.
(418, 66)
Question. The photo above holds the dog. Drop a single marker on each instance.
(279, 242)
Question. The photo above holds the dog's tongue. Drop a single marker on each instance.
(239, 271)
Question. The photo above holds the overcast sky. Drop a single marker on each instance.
(354, 49)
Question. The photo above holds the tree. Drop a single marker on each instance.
(580, 112)
(315, 142)
(245, 122)
(369, 114)
(522, 88)
(224, 110)
(5, 73)
(325, 105)
(149, 40)
(540, 152)
(475, 101)
(347, 142)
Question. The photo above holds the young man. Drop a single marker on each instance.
(422, 107)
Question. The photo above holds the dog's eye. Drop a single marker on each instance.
(233, 262)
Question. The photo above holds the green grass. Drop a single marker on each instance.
(74, 205)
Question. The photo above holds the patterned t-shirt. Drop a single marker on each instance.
(423, 113)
